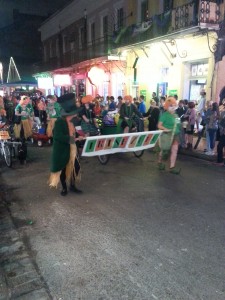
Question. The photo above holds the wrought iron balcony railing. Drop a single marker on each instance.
(97, 48)
(198, 13)
(201, 13)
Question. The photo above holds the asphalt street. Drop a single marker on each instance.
(135, 232)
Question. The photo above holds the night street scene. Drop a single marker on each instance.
(112, 150)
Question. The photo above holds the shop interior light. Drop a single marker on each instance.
(62, 80)
(45, 82)
(96, 75)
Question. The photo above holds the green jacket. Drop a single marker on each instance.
(61, 146)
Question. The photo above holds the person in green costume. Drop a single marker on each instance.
(65, 166)
(22, 110)
(53, 112)
(170, 124)
(128, 111)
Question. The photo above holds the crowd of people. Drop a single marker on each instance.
(178, 119)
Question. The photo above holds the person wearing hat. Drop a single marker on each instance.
(65, 167)
(89, 123)
(53, 113)
(128, 112)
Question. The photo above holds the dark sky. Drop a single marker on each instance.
(34, 7)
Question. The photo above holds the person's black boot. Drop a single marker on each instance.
(75, 190)
(64, 190)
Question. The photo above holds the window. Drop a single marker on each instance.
(120, 17)
(92, 33)
(82, 38)
(57, 47)
(45, 53)
(50, 50)
(144, 10)
(65, 43)
(198, 70)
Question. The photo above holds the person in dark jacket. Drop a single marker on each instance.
(153, 116)
(65, 167)
(128, 112)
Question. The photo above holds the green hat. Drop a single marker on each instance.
(68, 105)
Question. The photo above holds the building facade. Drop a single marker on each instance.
(136, 47)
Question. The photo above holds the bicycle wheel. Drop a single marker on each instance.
(103, 159)
(138, 153)
(7, 155)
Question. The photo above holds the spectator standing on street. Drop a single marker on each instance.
(212, 126)
(180, 111)
(205, 122)
(201, 106)
(42, 111)
(142, 107)
(112, 104)
(153, 116)
(161, 104)
(10, 108)
(155, 98)
(120, 102)
(2, 110)
(221, 143)
(190, 116)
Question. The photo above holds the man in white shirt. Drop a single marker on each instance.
(201, 106)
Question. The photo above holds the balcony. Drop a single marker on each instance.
(98, 48)
(200, 14)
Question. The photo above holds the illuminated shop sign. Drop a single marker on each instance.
(45, 82)
(62, 80)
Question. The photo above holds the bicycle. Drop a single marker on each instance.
(112, 129)
(5, 150)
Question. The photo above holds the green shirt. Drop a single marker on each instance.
(21, 109)
(168, 120)
(30, 108)
(53, 110)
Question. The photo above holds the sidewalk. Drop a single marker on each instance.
(19, 277)
(199, 152)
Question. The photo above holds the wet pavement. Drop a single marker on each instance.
(135, 233)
